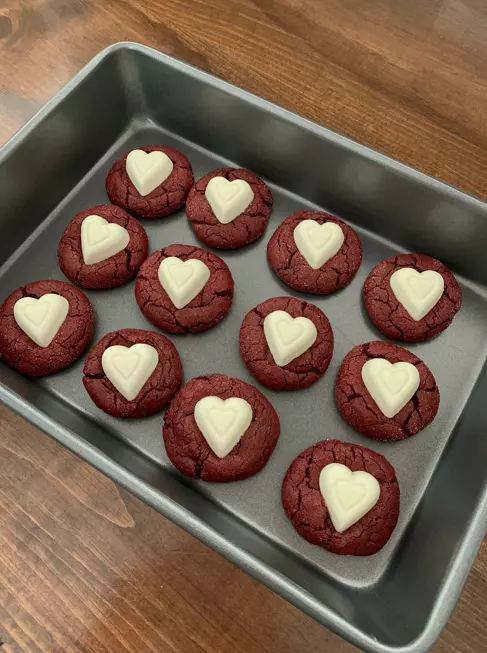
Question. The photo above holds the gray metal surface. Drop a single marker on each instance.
(399, 599)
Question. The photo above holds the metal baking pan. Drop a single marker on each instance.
(397, 600)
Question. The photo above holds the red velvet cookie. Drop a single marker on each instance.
(301, 349)
(238, 421)
(312, 258)
(67, 324)
(128, 382)
(305, 486)
(94, 254)
(201, 291)
(413, 396)
(247, 225)
(166, 198)
(426, 304)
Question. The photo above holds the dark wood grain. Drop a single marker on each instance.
(86, 567)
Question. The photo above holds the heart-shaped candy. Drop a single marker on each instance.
(147, 170)
(348, 495)
(129, 368)
(41, 318)
(288, 337)
(228, 199)
(417, 291)
(101, 239)
(183, 280)
(391, 385)
(222, 422)
(318, 243)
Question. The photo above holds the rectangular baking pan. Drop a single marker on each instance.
(398, 600)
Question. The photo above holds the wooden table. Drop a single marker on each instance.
(84, 566)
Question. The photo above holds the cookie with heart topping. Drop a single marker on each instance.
(286, 343)
(44, 327)
(386, 392)
(229, 208)
(132, 373)
(184, 289)
(312, 251)
(219, 428)
(151, 181)
(342, 497)
(102, 247)
(411, 297)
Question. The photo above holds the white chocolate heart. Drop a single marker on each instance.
(222, 422)
(147, 170)
(417, 291)
(391, 385)
(348, 495)
(129, 368)
(228, 199)
(41, 318)
(288, 337)
(101, 239)
(318, 243)
(183, 280)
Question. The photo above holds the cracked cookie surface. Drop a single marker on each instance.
(167, 198)
(204, 311)
(292, 268)
(362, 413)
(391, 318)
(73, 337)
(113, 271)
(246, 227)
(188, 449)
(158, 389)
(306, 508)
(303, 370)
